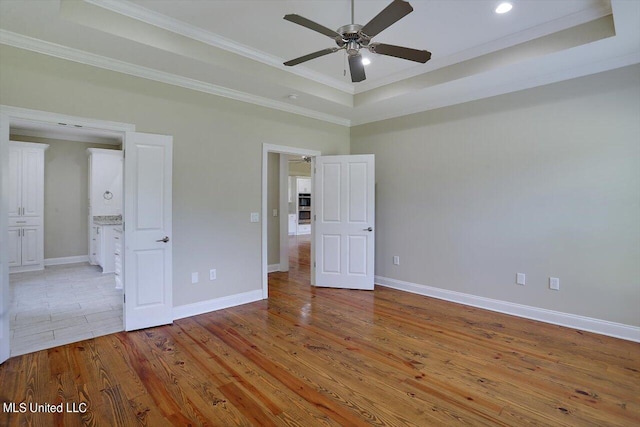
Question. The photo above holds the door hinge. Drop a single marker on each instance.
(124, 298)
(123, 226)
(314, 217)
(314, 263)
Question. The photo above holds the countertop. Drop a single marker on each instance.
(107, 220)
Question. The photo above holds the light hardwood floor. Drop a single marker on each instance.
(330, 357)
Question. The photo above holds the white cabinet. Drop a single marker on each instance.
(105, 182)
(117, 249)
(293, 223)
(105, 247)
(304, 185)
(26, 206)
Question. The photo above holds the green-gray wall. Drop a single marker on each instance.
(217, 157)
(544, 182)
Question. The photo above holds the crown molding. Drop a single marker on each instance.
(532, 33)
(159, 20)
(52, 49)
(513, 86)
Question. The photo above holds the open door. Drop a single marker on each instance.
(5, 304)
(344, 235)
(147, 230)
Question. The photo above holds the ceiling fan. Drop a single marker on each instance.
(353, 37)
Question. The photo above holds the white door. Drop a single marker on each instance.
(344, 236)
(4, 239)
(147, 232)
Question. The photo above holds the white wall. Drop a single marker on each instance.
(544, 182)
(217, 157)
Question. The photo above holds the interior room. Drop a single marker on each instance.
(61, 290)
(444, 233)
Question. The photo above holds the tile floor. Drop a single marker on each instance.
(62, 304)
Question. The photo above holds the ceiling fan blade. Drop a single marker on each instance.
(401, 52)
(301, 20)
(311, 56)
(391, 14)
(357, 68)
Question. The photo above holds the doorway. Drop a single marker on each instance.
(68, 296)
(284, 152)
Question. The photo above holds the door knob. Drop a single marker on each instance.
(368, 229)
(165, 240)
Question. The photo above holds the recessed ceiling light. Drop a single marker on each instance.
(292, 96)
(504, 7)
(366, 61)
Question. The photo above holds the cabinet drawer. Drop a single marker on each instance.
(24, 221)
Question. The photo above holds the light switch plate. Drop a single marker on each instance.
(194, 278)
(521, 279)
(255, 217)
(554, 283)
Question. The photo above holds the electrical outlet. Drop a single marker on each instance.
(554, 283)
(212, 274)
(521, 279)
(275, 212)
(396, 260)
(194, 278)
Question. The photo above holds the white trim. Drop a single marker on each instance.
(55, 118)
(266, 149)
(66, 260)
(272, 268)
(28, 43)
(188, 310)
(514, 39)
(604, 327)
(159, 20)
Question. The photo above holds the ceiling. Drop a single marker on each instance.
(236, 48)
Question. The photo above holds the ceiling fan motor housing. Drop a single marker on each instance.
(352, 38)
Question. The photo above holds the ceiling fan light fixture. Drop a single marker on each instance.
(503, 7)
(353, 48)
(366, 61)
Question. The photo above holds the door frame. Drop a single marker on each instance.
(10, 114)
(282, 150)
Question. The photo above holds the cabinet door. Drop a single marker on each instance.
(32, 181)
(304, 185)
(15, 181)
(99, 255)
(31, 246)
(14, 248)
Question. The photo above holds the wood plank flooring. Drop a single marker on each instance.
(327, 357)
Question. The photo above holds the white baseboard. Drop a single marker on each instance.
(273, 267)
(66, 260)
(188, 310)
(604, 327)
